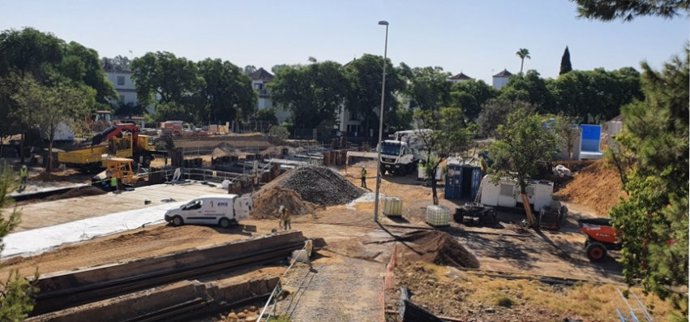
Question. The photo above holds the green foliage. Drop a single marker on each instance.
(365, 77)
(495, 112)
(313, 93)
(226, 92)
(565, 62)
(565, 127)
(594, 93)
(505, 301)
(278, 132)
(653, 221)
(450, 134)
(627, 10)
(267, 115)
(44, 107)
(428, 87)
(15, 299)
(523, 147)
(529, 88)
(470, 96)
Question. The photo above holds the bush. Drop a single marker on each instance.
(279, 132)
(504, 301)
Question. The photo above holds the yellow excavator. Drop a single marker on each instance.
(120, 168)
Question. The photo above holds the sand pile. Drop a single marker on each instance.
(77, 192)
(302, 190)
(437, 247)
(598, 186)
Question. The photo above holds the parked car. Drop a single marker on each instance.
(221, 210)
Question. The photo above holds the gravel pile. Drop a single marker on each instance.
(320, 185)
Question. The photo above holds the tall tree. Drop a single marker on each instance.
(163, 78)
(531, 88)
(495, 112)
(522, 148)
(313, 93)
(522, 53)
(450, 134)
(565, 62)
(16, 300)
(428, 87)
(226, 92)
(82, 64)
(470, 96)
(629, 9)
(45, 107)
(653, 221)
(364, 101)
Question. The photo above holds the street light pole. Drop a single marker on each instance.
(378, 146)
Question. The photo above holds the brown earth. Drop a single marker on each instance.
(437, 247)
(267, 201)
(598, 186)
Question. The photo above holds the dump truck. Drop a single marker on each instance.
(122, 140)
(401, 155)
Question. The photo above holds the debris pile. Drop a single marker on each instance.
(438, 248)
(77, 192)
(302, 190)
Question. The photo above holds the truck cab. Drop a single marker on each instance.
(397, 158)
(221, 210)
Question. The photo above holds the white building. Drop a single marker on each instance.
(123, 84)
(501, 79)
(260, 80)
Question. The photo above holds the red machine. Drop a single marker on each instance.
(601, 237)
(114, 131)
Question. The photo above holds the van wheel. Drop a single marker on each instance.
(224, 223)
(177, 221)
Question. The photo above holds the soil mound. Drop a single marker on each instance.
(320, 185)
(437, 247)
(267, 202)
(78, 192)
(597, 186)
(302, 190)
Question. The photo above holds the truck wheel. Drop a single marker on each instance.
(224, 223)
(177, 221)
(595, 251)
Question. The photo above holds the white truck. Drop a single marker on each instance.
(221, 210)
(401, 155)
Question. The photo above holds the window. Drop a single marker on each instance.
(120, 80)
(196, 204)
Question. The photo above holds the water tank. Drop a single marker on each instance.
(392, 206)
(437, 216)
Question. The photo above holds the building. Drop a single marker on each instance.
(123, 84)
(459, 78)
(501, 79)
(260, 80)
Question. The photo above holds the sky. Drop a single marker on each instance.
(478, 38)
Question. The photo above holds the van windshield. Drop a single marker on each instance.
(194, 204)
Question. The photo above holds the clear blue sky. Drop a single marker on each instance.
(479, 38)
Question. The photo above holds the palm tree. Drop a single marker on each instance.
(522, 53)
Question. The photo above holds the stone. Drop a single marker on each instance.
(241, 315)
(489, 310)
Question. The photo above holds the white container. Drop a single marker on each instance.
(392, 206)
(437, 216)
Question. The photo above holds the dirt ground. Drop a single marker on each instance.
(597, 187)
(348, 279)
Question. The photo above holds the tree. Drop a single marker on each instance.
(163, 78)
(364, 101)
(565, 62)
(495, 112)
(428, 87)
(531, 88)
(450, 134)
(45, 107)
(226, 92)
(267, 115)
(16, 300)
(522, 53)
(118, 64)
(81, 64)
(627, 10)
(249, 69)
(522, 148)
(653, 221)
(470, 96)
(278, 132)
(313, 93)
(566, 133)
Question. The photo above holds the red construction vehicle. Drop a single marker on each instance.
(601, 237)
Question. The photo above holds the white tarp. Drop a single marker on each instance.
(36, 241)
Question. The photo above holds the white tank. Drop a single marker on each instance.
(437, 216)
(392, 206)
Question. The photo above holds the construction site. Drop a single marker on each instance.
(101, 255)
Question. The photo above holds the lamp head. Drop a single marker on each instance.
(383, 23)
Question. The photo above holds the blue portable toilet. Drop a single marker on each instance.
(463, 179)
(590, 140)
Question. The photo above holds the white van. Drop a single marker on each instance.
(222, 210)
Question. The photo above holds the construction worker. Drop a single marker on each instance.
(285, 218)
(113, 184)
(24, 175)
(364, 177)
